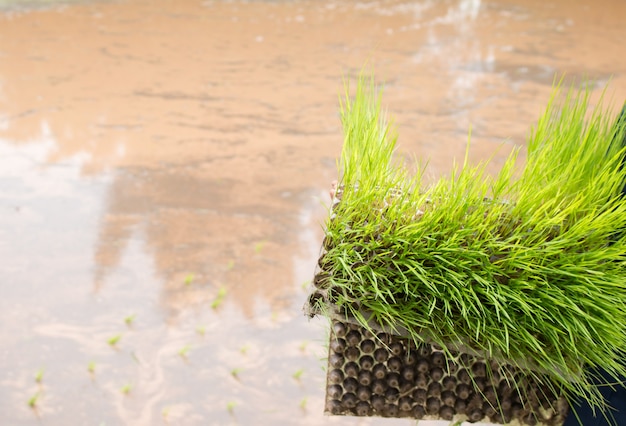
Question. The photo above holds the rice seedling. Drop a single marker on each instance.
(230, 406)
(189, 279)
(298, 374)
(91, 367)
(112, 341)
(302, 403)
(258, 247)
(230, 265)
(219, 299)
(126, 388)
(39, 375)
(244, 349)
(184, 351)
(201, 330)
(303, 346)
(33, 400)
(130, 319)
(235, 372)
(527, 265)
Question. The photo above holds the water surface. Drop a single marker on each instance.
(164, 171)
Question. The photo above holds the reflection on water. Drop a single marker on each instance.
(164, 167)
(190, 226)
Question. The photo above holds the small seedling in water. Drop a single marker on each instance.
(259, 246)
(113, 340)
(189, 279)
(303, 346)
(244, 349)
(298, 374)
(126, 388)
(303, 402)
(235, 372)
(91, 367)
(32, 402)
(230, 406)
(130, 319)
(184, 351)
(201, 329)
(39, 375)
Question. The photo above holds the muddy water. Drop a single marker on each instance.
(164, 167)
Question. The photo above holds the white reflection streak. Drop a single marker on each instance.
(469, 8)
(304, 260)
(465, 80)
(21, 161)
(18, 158)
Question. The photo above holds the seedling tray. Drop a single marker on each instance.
(390, 376)
(373, 371)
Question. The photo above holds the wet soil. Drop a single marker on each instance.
(164, 172)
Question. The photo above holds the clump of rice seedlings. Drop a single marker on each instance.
(528, 265)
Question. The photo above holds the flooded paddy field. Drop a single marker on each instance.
(164, 177)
